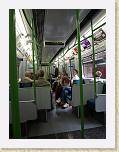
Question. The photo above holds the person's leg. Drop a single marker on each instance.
(62, 95)
(58, 92)
(68, 93)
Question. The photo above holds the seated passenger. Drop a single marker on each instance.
(58, 88)
(27, 77)
(41, 80)
(65, 91)
(27, 81)
(98, 76)
(75, 79)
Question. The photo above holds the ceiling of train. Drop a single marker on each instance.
(58, 26)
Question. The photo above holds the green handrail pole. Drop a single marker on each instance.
(13, 76)
(33, 55)
(94, 69)
(80, 72)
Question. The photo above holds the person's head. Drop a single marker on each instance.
(75, 72)
(98, 74)
(40, 73)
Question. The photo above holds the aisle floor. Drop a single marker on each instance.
(60, 121)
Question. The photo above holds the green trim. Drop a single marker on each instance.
(80, 73)
(94, 69)
(13, 76)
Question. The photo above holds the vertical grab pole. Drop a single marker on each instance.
(13, 76)
(94, 69)
(33, 50)
(80, 72)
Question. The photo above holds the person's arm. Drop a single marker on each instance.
(72, 80)
(29, 79)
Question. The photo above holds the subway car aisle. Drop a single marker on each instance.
(60, 121)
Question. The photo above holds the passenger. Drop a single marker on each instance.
(66, 94)
(55, 82)
(66, 90)
(75, 79)
(41, 80)
(98, 76)
(58, 88)
(27, 81)
(63, 91)
(27, 77)
(60, 82)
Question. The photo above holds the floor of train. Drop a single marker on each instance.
(63, 124)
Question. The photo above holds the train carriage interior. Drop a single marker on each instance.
(57, 85)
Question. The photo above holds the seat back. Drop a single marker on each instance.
(26, 94)
(27, 109)
(27, 105)
(43, 97)
(100, 103)
(99, 87)
(88, 92)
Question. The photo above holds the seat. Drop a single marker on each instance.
(27, 111)
(43, 101)
(43, 97)
(26, 94)
(99, 105)
(88, 92)
(27, 105)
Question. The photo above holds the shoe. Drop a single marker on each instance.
(66, 105)
(58, 100)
